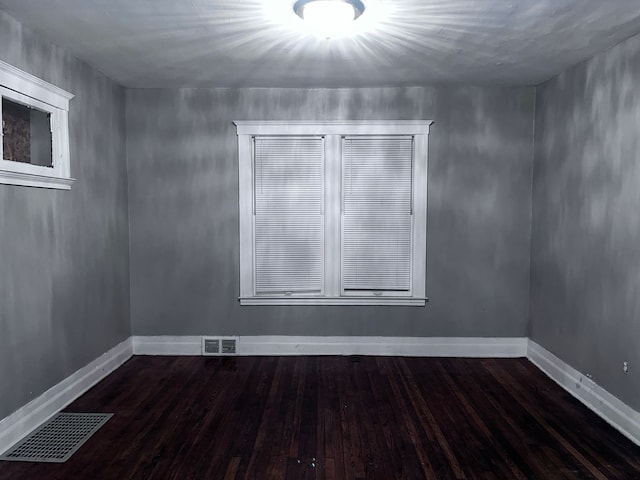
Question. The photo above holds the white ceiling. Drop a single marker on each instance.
(207, 43)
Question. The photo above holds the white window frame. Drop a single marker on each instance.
(24, 88)
(333, 133)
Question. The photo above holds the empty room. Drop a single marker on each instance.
(320, 239)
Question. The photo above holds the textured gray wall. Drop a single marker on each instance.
(182, 154)
(585, 278)
(64, 289)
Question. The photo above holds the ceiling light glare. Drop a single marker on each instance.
(329, 18)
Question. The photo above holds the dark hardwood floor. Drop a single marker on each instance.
(338, 418)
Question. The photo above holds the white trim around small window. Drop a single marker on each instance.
(277, 184)
(29, 92)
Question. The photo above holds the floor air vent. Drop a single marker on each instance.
(58, 439)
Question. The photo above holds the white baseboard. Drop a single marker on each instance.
(167, 345)
(611, 409)
(290, 345)
(397, 346)
(35, 413)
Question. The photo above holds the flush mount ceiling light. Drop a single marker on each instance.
(329, 18)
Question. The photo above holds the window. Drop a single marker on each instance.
(333, 212)
(35, 133)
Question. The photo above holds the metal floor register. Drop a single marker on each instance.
(57, 439)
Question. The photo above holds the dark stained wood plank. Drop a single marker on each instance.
(539, 416)
(403, 458)
(482, 430)
(584, 426)
(502, 418)
(425, 432)
(334, 418)
(330, 405)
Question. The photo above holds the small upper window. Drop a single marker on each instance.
(26, 134)
(35, 133)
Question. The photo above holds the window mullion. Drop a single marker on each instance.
(332, 215)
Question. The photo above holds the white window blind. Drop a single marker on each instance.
(377, 214)
(289, 215)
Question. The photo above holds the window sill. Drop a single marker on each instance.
(33, 180)
(376, 301)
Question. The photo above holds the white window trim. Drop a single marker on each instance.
(25, 88)
(333, 131)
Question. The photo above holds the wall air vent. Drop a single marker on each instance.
(228, 346)
(219, 345)
(210, 346)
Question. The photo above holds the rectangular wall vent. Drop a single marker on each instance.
(219, 345)
(210, 346)
(228, 346)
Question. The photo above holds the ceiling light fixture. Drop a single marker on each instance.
(329, 18)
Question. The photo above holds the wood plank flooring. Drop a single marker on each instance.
(338, 418)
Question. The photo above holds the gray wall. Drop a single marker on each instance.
(64, 288)
(585, 276)
(182, 154)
